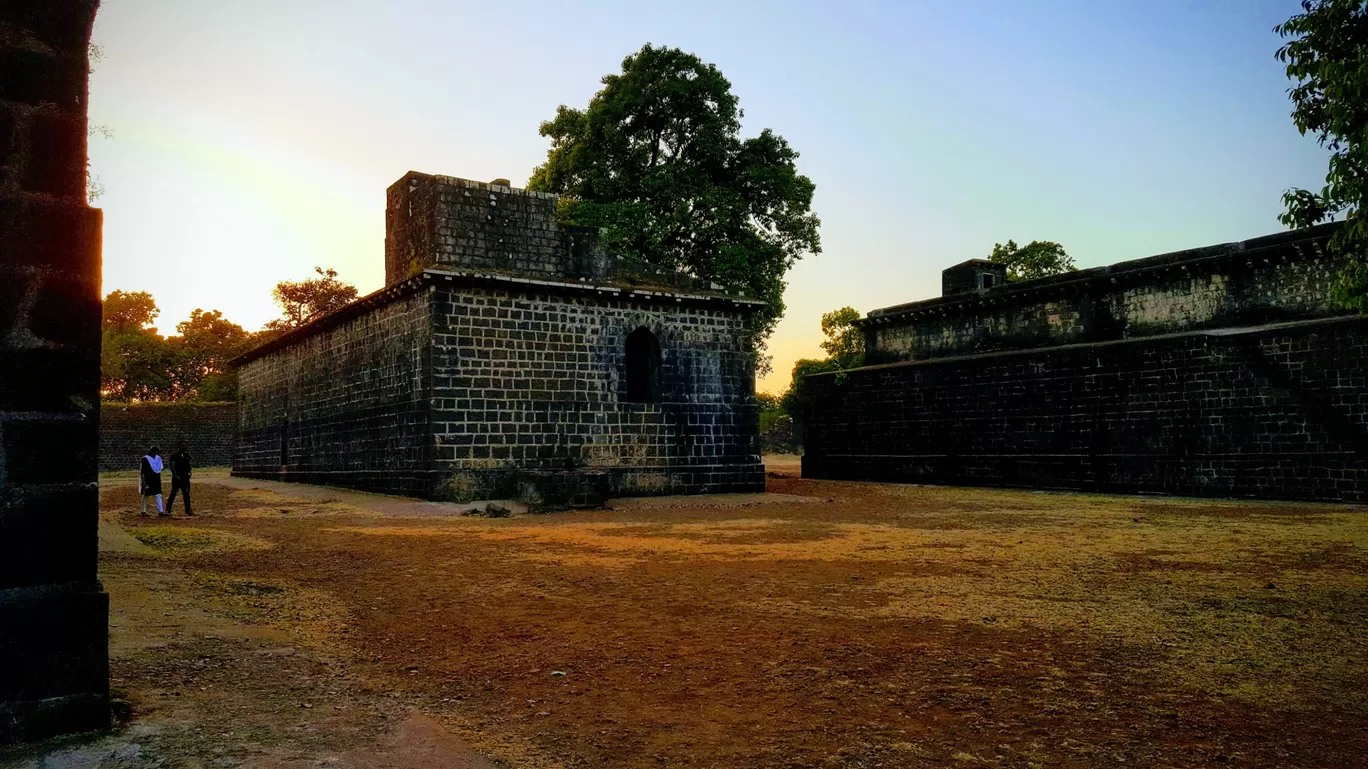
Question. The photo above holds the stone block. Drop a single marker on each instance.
(53, 309)
(55, 679)
(9, 143)
(50, 380)
(56, 157)
(63, 25)
(47, 534)
(38, 451)
(54, 235)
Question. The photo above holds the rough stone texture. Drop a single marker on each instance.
(53, 611)
(498, 368)
(449, 223)
(972, 275)
(346, 405)
(209, 432)
(1274, 278)
(1275, 410)
(536, 381)
(462, 387)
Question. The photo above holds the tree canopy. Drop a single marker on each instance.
(300, 301)
(657, 163)
(843, 343)
(1037, 259)
(129, 310)
(1327, 58)
(207, 342)
(137, 363)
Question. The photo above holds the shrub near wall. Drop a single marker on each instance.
(208, 431)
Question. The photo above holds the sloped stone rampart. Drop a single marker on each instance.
(1272, 412)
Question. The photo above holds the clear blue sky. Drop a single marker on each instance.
(255, 139)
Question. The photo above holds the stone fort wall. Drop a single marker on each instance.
(1225, 371)
(54, 614)
(535, 380)
(443, 222)
(127, 431)
(1277, 412)
(1275, 278)
(346, 404)
(449, 386)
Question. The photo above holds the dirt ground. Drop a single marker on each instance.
(823, 625)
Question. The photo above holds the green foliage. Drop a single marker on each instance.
(206, 343)
(138, 364)
(844, 343)
(795, 400)
(656, 162)
(1327, 58)
(306, 299)
(768, 402)
(129, 311)
(1037, 259)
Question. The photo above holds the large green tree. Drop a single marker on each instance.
(135, 361)
(206, 343)
(1037, 259)
(1327, 58)
(139, 364)
(657, 163)
(301, 301)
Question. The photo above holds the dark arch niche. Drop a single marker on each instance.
(643, 366)
(54, 614)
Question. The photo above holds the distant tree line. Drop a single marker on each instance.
(139, 364)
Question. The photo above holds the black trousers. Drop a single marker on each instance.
(179, 484)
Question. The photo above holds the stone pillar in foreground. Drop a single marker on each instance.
(54, 614)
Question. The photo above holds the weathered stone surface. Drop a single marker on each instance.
(444, 222)
(53, 612)
(1274, 278)
(528, 380)
(209, 432)
(499, 369)
(54, 641)
(1230, 405)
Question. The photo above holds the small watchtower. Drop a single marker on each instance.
(973, 275)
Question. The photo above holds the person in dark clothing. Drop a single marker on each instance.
(149, 479)
(180, 478)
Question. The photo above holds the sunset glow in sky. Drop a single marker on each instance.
(253, 140)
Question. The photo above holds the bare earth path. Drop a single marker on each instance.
(828, 624)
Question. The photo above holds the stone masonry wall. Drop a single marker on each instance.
(445, 222)
(442, 222)
(1278, 412)
(535, 380)
(209, 432)
(349, 403)
(54, 614)
(1275, 278)
(480, 390)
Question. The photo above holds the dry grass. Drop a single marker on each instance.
(1246, 602)
(874, 626)
(170, 540)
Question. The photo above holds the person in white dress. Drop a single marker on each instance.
(149, 479)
